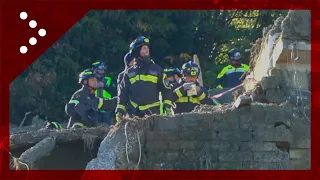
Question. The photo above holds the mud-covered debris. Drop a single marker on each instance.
(242, 100)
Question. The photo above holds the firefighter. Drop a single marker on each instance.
(53, 125)
(173, 75)
(84, 105)
(186, 101)
(142, 84)
(128, 62)
(234, 73)
(106, 89)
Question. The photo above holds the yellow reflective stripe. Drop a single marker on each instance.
(225, 70)
(88, 72)
(74, 102)
(161, 108)
(108, 80)
(188, 99)
(120, 106)
(219, 87)
(168, 102)
(164, 81)
(203, 95)
(245, 67)
(194, 100)
(235, 70)
(141, 108)
(95, 63)
(145, 107)
(79, 124)
(56, 125)
(134, 79)
(150, 78)
(178, 92)
(106, 94)
(168, 70)
(100, 103)
(134, 104)
(183, 99)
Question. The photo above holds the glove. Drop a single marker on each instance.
(119, 117)
(168, 111)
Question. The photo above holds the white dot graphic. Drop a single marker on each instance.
(33, 24)
(42, 32)
(23, 15)
(23, 49)
(33, 41)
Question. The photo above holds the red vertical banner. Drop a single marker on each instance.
(29, 28)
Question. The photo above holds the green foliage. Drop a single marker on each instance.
(47, 85)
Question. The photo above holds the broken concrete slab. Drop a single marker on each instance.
(227, 136)
(242, 100)
(41, 149)
(31, 138)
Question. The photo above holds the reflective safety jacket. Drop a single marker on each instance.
(84, 101)
(128, 107)
(186, 103)
(109, 90)
(85, 96)
(229, 76)
(140, 87)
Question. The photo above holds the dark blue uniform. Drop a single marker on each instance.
(229, 77)
(140, 87)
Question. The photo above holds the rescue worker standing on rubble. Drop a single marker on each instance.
(84, 105)
(190, 94)
(234, 73)
(142, 84)
(106, 89)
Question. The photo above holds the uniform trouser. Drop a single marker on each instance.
(80, 113)
(150, 111)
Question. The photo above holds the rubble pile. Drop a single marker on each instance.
(271, 131)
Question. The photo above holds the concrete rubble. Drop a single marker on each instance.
(259, 136)
(267, 125)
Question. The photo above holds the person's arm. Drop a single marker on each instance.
(123, 94)
(203, 97)
(166, 91)
(178, 92)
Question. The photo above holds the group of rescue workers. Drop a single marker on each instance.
(143, 88)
